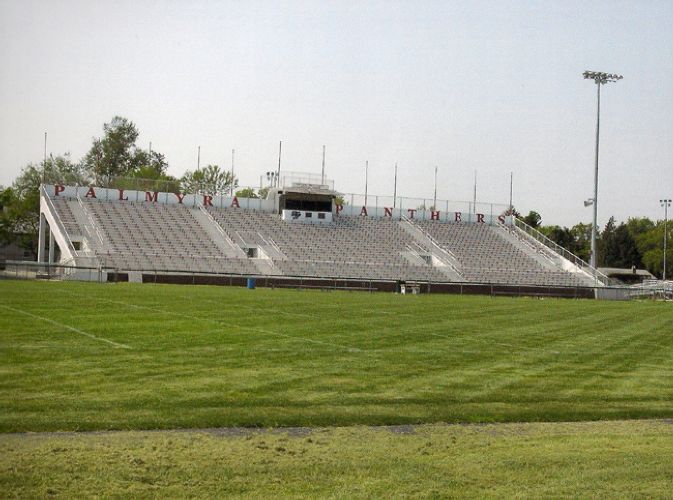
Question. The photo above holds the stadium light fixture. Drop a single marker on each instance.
(600, 79)
(588, 202)
(665, 203)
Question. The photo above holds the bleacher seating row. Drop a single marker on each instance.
(140, 236)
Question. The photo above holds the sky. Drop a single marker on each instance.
(492, 87)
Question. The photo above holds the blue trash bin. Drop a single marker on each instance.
(251, 283)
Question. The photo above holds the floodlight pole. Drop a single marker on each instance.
(665, 203)
(600, 79)
(595, 204)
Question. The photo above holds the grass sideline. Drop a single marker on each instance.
(588, 460)
(82, 356)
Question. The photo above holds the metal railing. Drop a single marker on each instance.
(446, 255)
(571, 257)
(91, 223)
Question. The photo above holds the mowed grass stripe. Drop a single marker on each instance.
(540, 460)
(218, 356)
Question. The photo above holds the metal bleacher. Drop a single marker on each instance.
(488, 254)
(144, 236)
(355, 247)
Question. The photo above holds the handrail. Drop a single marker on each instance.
(441, 250)
(552, 245)
(217, 225)
(57, 218)
(92, 223)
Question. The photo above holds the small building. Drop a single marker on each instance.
(630, 276)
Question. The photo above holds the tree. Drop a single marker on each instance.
(650, 244)
(620, 249)
(533, 219)
(115, 154)
(246, 193)
(512, 211)
(582, 235)
(263, 192)
(61, 169)
(148, 178)
(19, 220)
(603, 240)
(562, 236)
(209, 180)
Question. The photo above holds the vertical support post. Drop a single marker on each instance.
(41, 243)
(51, 246)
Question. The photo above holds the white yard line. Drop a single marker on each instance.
(67, 327)
(226, 324)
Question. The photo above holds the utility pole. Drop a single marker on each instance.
(280, 149)
(44, 163)
(233, 152)
(322, 178)
(511, 183)
(434, 203)
(395, 188)
(366, 179)
(474, 194)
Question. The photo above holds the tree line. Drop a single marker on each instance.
(115, 160)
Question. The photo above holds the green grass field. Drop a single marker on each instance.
(558, 460)
(79, 356)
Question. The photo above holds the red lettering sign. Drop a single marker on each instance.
(151, 196)
(58, 189)
(501, 218)
(339, 208)
(458, 214)
(121, 195)
(363, 211)
(234, 203)
(480, 218)
(207, 200)
(387, 212)
(91, 193)
(434, 215)
(180, 197)
(411, 211)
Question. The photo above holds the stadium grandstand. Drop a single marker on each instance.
(300, 230)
